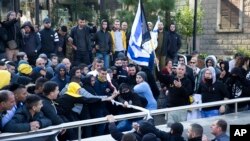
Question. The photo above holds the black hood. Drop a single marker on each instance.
(146, 127)
(226, 64)
(28, 23)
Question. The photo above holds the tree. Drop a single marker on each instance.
(152, 8)
(184, 20)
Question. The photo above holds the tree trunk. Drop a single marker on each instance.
(167, 19)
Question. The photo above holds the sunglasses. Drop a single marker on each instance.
(192, 62)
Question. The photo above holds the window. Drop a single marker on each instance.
(229, 17)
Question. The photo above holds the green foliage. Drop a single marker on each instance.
(243, 51)
(184, 19)
(152, 9)
(125, 15)
(202, 55)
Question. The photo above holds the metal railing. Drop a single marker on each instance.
(79, 124)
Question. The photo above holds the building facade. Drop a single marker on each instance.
(226, 26)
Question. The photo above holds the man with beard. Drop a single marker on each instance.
(172, 44)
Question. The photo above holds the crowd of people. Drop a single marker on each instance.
(51, 77)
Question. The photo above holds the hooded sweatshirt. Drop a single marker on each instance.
(212, 90)
(31, 41)
(61, 81)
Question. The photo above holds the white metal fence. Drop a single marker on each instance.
(79, 124)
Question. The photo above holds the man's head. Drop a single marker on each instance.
(181, 70)
(63, 30)
(104, 23)
(102, 73)
(194, 130)
(81, 22)
(40, 62)
(20, 92)
(7, 100)
(34, 103)
(11, 66)
(118, 62)
(172, 27)
(75, 71)
(98, 65)
(193, 62)
(176, 128)
(3, 65)
(47, 23)
(160, 26)
(117, 24)
(124, 26)
(218, 127)
(51, 90)
(129, 137)
(11, 15)
(39, 85)
(67, 63)
(54, 60)
(132, 70)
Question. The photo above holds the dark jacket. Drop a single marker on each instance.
(31, 41)
(117, 135)
(87, 31)
(49, 41)
(226, 68)
(61, 82)
(22, 118)
(133, 99)
(195, 139)
(13, 31)
(238, 86)
(3, 39)
(67, 102)
(49, 110)
(212, 92)
(172, 44)
(177, 96)
(104, 41)
(101, 87)
(152, 82)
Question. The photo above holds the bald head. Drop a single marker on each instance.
(40, 62)
(67, 63)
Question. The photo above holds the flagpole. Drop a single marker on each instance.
(157, 64)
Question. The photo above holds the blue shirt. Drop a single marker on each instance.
(144, 90)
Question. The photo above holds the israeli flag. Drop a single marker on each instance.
(140, 37)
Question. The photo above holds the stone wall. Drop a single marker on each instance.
(216, 43)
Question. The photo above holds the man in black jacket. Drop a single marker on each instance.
(103, 42)
(172, 44)
(49, 38)
(179, 90)
(14, 35)
(80, 39)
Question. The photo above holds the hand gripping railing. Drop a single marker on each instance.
(95, 121)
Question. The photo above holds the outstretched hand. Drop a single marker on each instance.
(110, 118)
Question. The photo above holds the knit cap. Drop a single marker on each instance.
(24, 69)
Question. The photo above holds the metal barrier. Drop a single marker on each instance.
(95, 121)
